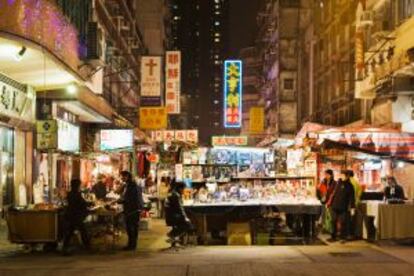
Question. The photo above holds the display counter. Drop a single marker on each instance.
(20, 224)
(388, 221)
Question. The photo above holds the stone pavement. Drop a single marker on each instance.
(357, 258)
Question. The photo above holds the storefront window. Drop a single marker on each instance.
(6, 166)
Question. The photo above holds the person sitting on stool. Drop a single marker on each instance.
(175, 215)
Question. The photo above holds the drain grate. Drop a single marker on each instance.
(346, 254)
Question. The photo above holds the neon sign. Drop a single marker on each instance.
(232, 93)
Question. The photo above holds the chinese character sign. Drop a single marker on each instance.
(229, 140)
(256, 120)
(182, 135)
(172, 81)
(152, 118)
(151, 76)
(232, 93)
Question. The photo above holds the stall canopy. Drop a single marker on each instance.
(307, 129)
(386, 142)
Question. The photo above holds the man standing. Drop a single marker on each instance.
(133, 203)
(341, 203)
(356, 218)
(76, 212)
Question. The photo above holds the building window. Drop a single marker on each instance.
(217, 40)
(217, 23)
(288, 84)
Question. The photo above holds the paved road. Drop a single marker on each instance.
(220, 260)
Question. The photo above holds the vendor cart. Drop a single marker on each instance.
(33, 227)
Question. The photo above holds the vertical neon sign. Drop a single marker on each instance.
(232, 93)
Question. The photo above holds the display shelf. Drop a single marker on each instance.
(294, 177)
(212, 165)
(253, 178)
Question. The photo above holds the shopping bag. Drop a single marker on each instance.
(327, 223)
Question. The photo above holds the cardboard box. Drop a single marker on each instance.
(238, 233)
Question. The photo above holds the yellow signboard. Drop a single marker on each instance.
(152, 118)
(256, 120)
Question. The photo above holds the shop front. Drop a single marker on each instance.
(16, 123)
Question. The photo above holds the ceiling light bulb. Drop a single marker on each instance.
(19, 55)
(71, 89)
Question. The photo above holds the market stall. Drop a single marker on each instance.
(373, 154)
(227, 184)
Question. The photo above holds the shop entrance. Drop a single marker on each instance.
(6, 166)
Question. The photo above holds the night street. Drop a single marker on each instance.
(207, 137)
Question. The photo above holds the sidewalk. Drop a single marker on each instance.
(355, 258)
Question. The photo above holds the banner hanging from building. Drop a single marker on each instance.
(173, 81)
(152, 118)
(150, 81)
(181, 135)
(229, 141)
(256, 124)
(232, 93)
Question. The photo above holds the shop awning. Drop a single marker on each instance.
(90, 107)
(36, 67)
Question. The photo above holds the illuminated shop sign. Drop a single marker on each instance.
(68, 136)
(229, 140)
(232, 93)
(112, 139)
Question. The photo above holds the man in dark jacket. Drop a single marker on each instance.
(133, 203)
(341, 203)
(76, 212)
(99, 189)
(175, 215)
(393, 190)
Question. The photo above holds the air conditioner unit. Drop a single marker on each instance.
(367, 18)
(96, 44)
